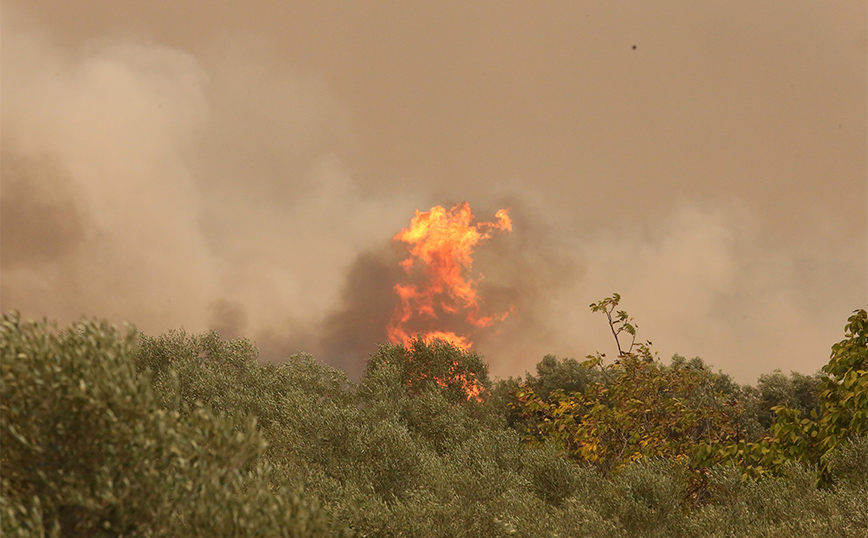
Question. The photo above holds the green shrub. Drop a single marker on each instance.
(648, 498)
(849, 463)
(778, 506)
(460, 375)
(110, 434)
(88, 450)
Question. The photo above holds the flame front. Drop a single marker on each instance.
(441, 243)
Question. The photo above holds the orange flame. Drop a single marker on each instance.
(441, 245)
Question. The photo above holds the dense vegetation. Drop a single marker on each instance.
(106, 433)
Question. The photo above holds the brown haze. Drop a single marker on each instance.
(243, 166)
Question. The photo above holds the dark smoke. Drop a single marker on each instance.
(352, 331)
(39, 222)
(228, 318)
(519, 271)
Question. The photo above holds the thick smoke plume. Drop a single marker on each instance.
(141, 183)
(217, 188)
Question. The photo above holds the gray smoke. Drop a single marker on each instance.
(176, 176)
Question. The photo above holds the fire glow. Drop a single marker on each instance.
(441, 243)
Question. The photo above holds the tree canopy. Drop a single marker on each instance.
(113, 433)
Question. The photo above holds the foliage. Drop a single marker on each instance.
(643, 410)
(462, 376)
(89, 451)
(843, 413)
(844, 395)
(107, 434)
(788, 504)
(567, 375)
(798, 391)
(848, 463)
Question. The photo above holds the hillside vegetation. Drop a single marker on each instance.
(113, 433)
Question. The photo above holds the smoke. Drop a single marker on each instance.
(220, 188)
(146, 184)
(352, 330)
(704, 280)
(33, 199)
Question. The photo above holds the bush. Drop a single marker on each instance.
(88, 450)
(460, 375)
(567, 375)
(110, 434)
(849, 464)
(778, 506)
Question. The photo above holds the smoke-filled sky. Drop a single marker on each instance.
(243, 166)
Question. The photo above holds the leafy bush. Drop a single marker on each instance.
(90, 451)
(782, 506)
(567, 375)
(849, 463)
(798, 391)
(110, 434)
(460, 375)
(843, 404)
(642, 409)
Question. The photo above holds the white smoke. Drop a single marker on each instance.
(217, 189)
(197, 190)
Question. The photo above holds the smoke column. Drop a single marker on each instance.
(173, 177)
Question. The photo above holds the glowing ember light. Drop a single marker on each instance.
(441, 243)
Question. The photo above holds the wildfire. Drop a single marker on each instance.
(440, 243)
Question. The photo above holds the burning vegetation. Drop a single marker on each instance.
(441, 301)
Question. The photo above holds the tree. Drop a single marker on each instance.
(814, 439)
(844, 395)
(568, 375)
(439, 365)
(89, 450)
(796, 391)
(642, 409)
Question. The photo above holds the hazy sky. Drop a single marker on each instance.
(243, 166)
